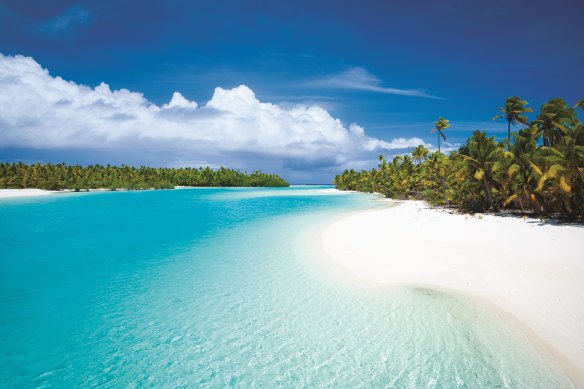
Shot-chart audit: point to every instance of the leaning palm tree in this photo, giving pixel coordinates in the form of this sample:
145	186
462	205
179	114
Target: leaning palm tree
553	120
439	126
420	153
514	113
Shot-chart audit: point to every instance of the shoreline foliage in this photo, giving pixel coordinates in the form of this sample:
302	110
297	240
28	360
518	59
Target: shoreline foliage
538	170
76	177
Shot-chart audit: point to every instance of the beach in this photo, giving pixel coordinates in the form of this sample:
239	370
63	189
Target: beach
531	270
33	192
10	193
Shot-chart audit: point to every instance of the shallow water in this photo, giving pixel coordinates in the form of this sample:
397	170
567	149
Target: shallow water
223	287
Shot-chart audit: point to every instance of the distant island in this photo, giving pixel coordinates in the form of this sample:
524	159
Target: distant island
539	169
61	176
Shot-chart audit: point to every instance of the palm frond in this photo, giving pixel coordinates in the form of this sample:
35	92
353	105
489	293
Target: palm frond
513	169
510	199
567	188
479	174
535	168
467	158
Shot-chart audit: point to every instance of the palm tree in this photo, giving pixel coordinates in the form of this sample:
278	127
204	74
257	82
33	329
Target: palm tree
553	119
439	167
567	160
439	126
407	164
420	153
525	169
381	159
518	173
513	113
480	155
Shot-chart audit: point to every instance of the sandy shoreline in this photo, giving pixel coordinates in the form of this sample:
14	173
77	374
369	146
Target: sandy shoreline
32	192
11	193
531	270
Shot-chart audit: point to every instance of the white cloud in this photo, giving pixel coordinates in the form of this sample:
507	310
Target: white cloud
360	79
398	143
179	101
446	147
40	111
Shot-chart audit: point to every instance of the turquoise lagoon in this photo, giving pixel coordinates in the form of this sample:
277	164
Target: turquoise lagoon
227	288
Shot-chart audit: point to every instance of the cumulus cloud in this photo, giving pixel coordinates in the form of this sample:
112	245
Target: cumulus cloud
358	78
178	100
41	111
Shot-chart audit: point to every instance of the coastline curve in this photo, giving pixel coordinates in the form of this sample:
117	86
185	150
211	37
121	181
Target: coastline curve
535	284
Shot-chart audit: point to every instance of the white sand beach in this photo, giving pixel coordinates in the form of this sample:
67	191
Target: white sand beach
32	192
531	270
9	193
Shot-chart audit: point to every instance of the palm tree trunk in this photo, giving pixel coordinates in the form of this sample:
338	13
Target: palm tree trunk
488	191
438	140
444	190
443	179
509	131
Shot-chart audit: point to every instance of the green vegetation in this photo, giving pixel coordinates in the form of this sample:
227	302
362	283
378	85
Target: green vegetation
513	113
439	127
538	169
61	176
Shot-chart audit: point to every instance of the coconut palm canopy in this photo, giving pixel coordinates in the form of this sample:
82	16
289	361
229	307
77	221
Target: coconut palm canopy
527	173
439	126
514	113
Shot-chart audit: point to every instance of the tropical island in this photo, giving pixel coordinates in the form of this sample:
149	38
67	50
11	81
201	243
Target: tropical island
444	257
61	176
529	268
538	169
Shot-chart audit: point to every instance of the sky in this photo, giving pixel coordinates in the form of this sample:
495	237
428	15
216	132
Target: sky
305	89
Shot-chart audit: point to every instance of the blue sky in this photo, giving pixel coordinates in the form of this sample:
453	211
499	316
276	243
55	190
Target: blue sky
390	67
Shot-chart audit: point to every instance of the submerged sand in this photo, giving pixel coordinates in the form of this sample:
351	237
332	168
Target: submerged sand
530	269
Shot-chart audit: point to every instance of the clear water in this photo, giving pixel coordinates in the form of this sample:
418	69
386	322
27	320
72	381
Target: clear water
223	288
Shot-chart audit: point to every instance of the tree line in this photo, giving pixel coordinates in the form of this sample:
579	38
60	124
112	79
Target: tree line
62	176
537	169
